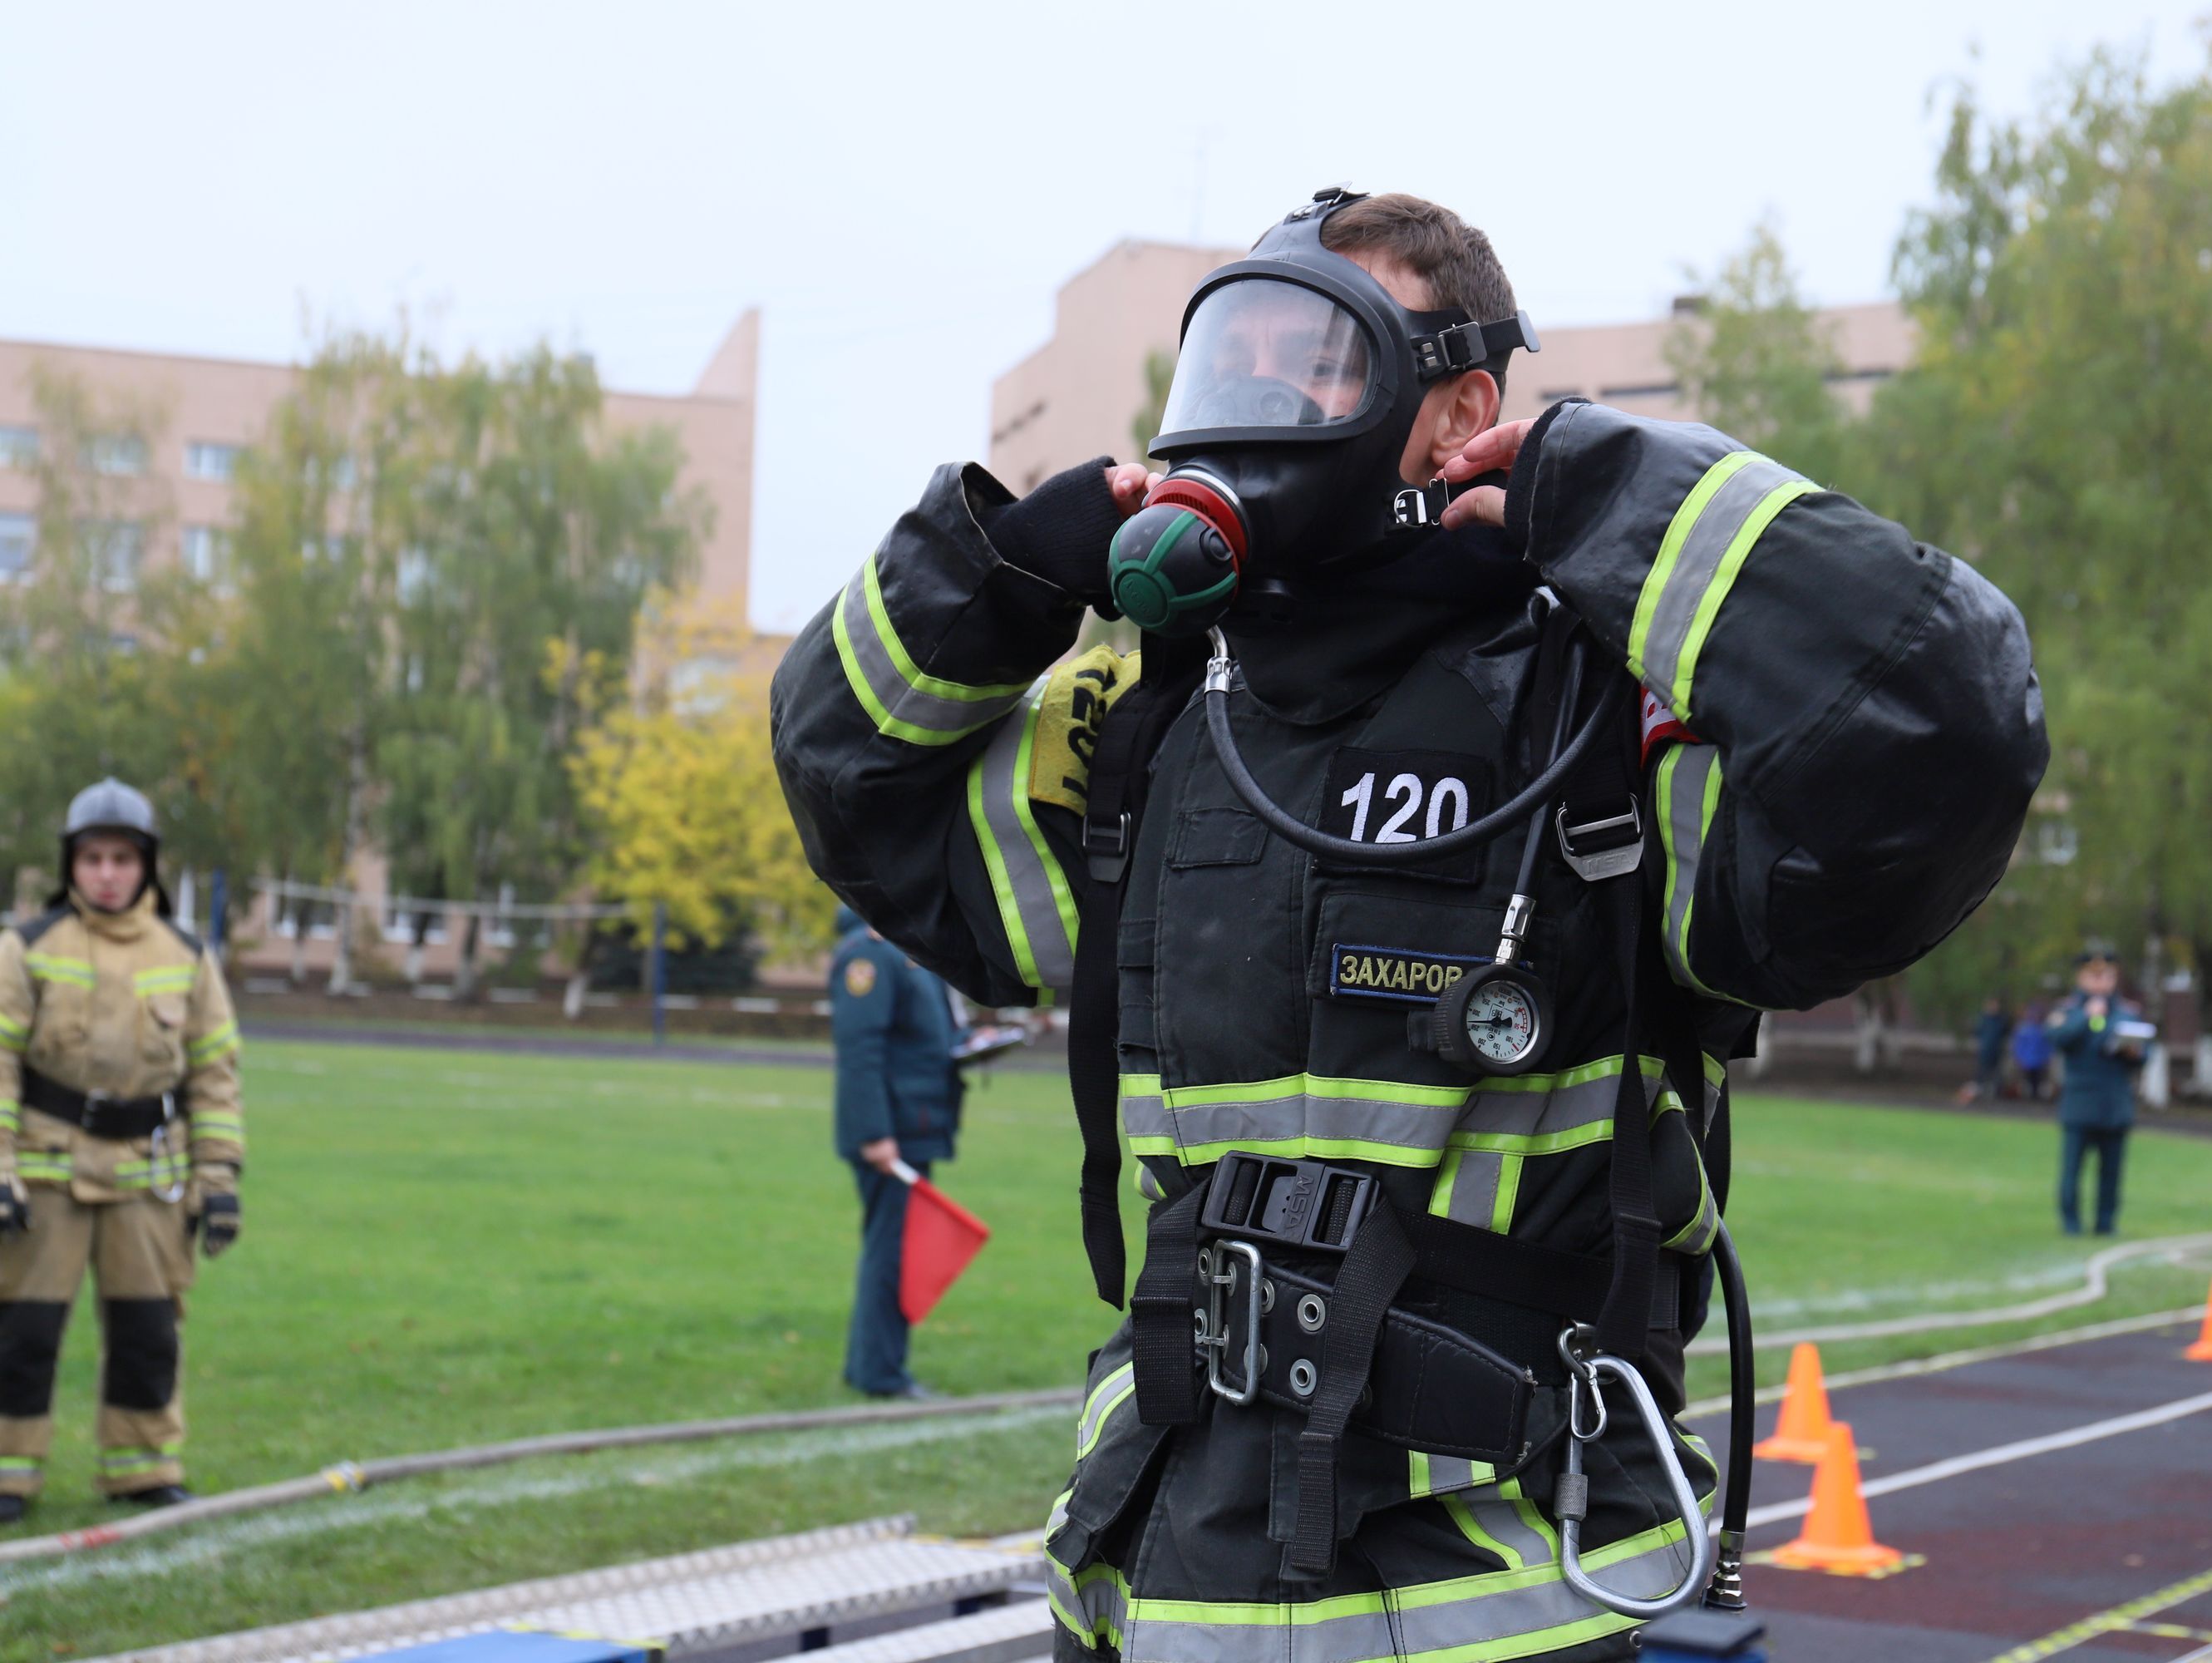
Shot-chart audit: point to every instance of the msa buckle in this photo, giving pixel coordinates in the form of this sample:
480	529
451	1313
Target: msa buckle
1106	848
1472	346
1611	846
1307	1206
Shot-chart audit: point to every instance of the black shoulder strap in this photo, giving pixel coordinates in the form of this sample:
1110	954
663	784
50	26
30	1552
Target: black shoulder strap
39	926
191	942
1120	775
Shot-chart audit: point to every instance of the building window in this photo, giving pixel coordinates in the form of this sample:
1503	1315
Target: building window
116	546
319	918
19	446
400	927
1647	390
205	459
120	453
19	537
206	554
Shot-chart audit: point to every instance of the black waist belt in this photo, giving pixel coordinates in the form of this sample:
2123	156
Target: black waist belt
98	1112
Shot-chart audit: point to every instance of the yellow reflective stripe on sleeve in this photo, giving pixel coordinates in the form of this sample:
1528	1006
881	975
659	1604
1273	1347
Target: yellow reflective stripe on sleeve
1704	549
14	1036
221	1043
46	967
11	1118
1688	785
904	703
1036	905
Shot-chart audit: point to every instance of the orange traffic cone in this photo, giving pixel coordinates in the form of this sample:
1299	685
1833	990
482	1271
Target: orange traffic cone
1839	1538
1802	1433
2202	1351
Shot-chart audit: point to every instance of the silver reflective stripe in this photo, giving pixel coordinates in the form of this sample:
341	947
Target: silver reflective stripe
1111	1393
1540	1114
923	710
1725	515
1036	905
1520	1611
1092	1605
1501	1523
1688	782
1474	1176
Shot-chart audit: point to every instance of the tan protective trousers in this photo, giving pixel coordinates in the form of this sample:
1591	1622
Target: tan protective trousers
141	1258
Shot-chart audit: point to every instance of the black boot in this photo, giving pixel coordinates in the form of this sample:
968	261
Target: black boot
13	1508
156	1495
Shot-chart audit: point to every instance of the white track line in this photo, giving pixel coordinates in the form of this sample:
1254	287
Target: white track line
2094	1288
2002	1455
1936	1365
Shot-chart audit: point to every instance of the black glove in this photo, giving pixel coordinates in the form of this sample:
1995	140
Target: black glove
217	1223
14	1207
1059	532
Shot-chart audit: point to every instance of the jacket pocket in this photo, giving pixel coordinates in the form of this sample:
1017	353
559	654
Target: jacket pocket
1115	1453
161	1033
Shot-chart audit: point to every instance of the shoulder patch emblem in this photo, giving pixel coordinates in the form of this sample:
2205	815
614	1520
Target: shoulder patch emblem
860	977
1076	698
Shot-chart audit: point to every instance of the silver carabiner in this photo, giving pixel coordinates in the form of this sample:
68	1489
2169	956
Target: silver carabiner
1574	1494
174	1192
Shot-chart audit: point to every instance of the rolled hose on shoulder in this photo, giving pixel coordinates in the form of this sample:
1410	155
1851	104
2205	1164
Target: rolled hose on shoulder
1514	810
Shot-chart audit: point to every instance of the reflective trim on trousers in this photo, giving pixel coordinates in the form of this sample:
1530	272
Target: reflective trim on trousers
1092	1603
1116	1389
1378	1120
904	703
1496	1614
1706	547
1035	906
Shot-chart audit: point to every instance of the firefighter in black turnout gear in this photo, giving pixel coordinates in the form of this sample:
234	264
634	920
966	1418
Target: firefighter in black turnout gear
1428	1099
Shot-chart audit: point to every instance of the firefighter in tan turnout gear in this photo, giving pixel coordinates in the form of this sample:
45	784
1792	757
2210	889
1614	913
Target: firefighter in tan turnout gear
121	1138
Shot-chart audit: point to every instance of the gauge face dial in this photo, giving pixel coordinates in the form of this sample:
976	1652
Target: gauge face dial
1503	1021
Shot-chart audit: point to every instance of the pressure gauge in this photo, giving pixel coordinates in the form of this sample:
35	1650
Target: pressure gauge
1496	1020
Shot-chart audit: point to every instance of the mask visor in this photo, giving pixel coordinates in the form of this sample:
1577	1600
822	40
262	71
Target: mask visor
1263	353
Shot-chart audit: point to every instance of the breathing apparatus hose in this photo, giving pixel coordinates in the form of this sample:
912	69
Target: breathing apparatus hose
1725	1593
1530	799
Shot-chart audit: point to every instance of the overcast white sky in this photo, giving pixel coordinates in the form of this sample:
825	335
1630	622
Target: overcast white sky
901	188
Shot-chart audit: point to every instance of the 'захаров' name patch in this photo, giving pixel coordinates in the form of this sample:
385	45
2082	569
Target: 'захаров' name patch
1390	973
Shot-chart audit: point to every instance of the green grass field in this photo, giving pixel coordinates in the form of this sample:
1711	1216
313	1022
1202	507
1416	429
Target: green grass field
445	1248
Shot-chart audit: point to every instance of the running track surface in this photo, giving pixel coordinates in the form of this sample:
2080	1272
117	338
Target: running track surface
2097	1553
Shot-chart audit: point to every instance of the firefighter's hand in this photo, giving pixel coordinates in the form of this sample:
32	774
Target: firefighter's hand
1129	481
883	1154
1493	450
218	1223
15	1205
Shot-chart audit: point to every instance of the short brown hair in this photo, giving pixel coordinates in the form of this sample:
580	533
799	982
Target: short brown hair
1451	256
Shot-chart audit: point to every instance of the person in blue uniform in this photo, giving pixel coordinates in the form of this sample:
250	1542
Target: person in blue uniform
2099	1035
898	1101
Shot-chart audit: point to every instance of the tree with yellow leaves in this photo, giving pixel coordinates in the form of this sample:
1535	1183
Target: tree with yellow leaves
681	801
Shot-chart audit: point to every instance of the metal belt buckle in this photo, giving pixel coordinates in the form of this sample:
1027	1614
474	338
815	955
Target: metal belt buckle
94	1101
1214	1320
1612	859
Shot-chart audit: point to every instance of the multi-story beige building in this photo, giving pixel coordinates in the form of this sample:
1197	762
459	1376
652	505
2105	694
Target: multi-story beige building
1079	395
166	493
198	414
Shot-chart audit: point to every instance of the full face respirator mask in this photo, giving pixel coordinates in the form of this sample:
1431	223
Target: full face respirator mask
1298	382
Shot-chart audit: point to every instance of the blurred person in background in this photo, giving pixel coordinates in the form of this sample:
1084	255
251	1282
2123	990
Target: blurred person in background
2031	1051
2102	1037
898	1102
121	1139
1992	1029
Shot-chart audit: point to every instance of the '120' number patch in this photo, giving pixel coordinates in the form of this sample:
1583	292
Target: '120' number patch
1402	796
